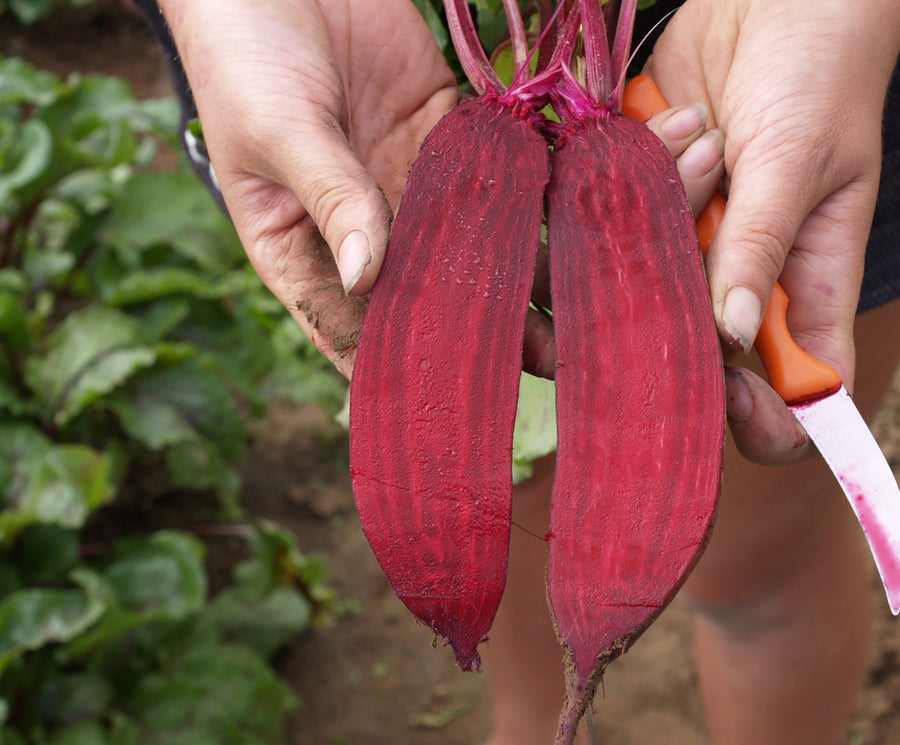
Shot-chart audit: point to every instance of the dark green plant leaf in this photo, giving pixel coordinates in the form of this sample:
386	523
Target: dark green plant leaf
29	11
160	577
22	83
33	618
188	397
152	284
148	213
11	737
263	621
26	158
14	332
432	17
300	372
74	697
47	553
88	732
91	353
55	484
186	705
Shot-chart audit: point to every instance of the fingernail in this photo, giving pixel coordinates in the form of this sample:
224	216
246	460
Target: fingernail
741	317
737	396
684	122
702	155
354	256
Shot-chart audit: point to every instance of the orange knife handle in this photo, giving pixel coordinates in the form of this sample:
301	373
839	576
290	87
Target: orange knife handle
795	375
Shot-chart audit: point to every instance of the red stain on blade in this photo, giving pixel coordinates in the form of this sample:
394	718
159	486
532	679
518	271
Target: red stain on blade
884	548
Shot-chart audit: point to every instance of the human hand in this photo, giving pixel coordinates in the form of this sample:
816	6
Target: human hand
312	113
798	90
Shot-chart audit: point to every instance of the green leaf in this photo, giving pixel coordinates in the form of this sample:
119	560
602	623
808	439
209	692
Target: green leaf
74	697
22	83
26	160
263	621
47	552
29	11
11	737
535	431
185	706
33	618
160	577
90	732
91	353
57	484
14	332
435	24
173	209
190	398
152	284
300	372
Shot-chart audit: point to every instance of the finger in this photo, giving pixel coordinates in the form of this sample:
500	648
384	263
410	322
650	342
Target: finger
539	352
770	196
343	199
699	153
701	168
312	291
275	112
679	127
763	427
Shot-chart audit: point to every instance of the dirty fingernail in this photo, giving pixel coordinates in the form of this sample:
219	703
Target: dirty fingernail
684	122
354	256
702	155
738	398
741	317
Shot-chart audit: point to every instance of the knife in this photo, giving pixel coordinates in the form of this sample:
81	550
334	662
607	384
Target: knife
813	391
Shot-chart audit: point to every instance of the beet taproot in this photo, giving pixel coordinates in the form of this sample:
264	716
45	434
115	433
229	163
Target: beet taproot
435	385
639	385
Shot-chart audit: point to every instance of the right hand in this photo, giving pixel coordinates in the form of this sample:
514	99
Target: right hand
798	89
313	112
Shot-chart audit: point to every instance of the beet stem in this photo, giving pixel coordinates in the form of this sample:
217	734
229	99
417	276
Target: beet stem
517	35
596	51
474	61
621	49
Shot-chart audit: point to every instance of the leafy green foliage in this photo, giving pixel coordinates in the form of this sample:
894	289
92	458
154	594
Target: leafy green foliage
135	339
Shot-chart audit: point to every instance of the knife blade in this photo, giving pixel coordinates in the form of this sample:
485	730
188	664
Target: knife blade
813	391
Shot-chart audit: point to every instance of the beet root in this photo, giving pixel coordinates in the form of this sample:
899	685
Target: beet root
434	389
640	394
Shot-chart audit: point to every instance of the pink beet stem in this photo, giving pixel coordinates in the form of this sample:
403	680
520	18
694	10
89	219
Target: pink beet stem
474	61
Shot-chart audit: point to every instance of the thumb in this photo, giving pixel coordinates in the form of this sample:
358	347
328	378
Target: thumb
342	199
767	203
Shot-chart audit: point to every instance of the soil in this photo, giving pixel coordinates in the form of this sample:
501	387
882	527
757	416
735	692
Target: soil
372	676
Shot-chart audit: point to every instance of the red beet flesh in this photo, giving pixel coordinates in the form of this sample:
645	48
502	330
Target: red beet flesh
640	395
435	384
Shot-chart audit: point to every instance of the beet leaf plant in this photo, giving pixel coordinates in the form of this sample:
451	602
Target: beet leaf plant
136	347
